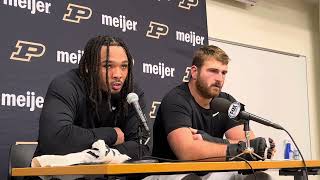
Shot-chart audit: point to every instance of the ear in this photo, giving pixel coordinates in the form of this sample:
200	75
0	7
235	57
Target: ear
194	72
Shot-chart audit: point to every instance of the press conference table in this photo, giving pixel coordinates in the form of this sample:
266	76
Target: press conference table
160	168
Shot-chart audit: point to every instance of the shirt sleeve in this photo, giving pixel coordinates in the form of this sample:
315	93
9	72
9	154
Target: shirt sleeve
57	132
175	112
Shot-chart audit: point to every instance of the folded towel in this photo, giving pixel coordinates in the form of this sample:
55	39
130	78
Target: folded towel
99	153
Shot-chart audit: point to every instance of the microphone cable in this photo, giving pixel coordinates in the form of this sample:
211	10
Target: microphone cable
201	160
304	162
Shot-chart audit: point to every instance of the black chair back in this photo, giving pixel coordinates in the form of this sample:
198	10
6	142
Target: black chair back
20	155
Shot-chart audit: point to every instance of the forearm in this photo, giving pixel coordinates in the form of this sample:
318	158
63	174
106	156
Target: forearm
204	151
71	138
234	140
237	134
207	137
185	147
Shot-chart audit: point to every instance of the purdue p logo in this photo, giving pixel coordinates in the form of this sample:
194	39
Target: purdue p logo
186	4
186	75
154	108
26	50
156	30
76	13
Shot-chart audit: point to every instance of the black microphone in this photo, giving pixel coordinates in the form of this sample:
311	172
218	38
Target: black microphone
234	110
132	98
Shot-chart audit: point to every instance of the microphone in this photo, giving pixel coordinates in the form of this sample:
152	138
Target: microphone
132	98
234	110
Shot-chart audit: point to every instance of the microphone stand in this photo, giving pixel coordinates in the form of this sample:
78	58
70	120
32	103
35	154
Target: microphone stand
248	149
144	137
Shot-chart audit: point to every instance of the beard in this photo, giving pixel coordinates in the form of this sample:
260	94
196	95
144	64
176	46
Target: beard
206	91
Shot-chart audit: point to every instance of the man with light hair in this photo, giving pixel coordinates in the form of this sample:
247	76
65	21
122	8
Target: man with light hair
189	128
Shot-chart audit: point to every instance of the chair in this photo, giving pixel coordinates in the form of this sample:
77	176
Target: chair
20	155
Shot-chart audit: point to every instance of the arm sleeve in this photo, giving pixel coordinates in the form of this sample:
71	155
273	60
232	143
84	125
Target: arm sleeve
131	146
208	137
58	133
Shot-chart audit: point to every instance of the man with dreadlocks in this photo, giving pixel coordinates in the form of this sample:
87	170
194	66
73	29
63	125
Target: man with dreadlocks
89	103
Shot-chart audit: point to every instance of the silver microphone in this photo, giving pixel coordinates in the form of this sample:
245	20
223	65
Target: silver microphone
132	98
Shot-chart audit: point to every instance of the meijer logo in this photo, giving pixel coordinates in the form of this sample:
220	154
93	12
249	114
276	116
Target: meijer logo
30	100
156	30
160	70
76	13
189	37
32	5
187	4
69	57
119	22
26	50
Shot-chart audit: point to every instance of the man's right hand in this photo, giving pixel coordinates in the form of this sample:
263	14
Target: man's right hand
120	136
264	147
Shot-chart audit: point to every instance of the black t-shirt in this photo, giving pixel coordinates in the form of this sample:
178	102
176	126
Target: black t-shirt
179	109
68	125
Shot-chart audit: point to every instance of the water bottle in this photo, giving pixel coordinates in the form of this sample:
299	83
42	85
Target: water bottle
288	153
296	155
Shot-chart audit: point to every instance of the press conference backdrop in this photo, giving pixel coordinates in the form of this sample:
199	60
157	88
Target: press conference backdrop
43	38
272	85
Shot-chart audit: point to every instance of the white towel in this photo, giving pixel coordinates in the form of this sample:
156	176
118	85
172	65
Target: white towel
99	153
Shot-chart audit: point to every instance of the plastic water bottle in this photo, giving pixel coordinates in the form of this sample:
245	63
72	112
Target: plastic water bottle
296	155
288	153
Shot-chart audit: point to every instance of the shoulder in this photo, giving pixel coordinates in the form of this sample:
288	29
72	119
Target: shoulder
70	77
180	90
66	82
227	96
179	95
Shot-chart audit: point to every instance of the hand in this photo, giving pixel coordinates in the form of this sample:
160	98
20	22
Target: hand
203	136
195	135
266	152
120	136
263	147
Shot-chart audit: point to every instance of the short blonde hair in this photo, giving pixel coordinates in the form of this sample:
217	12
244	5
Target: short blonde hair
213	51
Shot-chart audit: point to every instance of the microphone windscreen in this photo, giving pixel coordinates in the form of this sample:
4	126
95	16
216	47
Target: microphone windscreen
220	104
132	97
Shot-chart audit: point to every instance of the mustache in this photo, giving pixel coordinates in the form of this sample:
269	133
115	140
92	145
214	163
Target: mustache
116	81
217	84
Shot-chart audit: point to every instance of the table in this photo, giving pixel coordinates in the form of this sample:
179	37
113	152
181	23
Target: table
169	167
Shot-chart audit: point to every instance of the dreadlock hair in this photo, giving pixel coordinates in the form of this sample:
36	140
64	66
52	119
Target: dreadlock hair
89	68
209	51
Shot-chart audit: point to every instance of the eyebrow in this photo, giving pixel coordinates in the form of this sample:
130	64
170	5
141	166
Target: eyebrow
111	61
123	61
215	69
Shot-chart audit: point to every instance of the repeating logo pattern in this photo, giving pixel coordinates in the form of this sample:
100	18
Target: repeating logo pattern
45	38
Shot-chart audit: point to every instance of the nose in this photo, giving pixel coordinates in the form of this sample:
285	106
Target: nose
116	73
219	77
